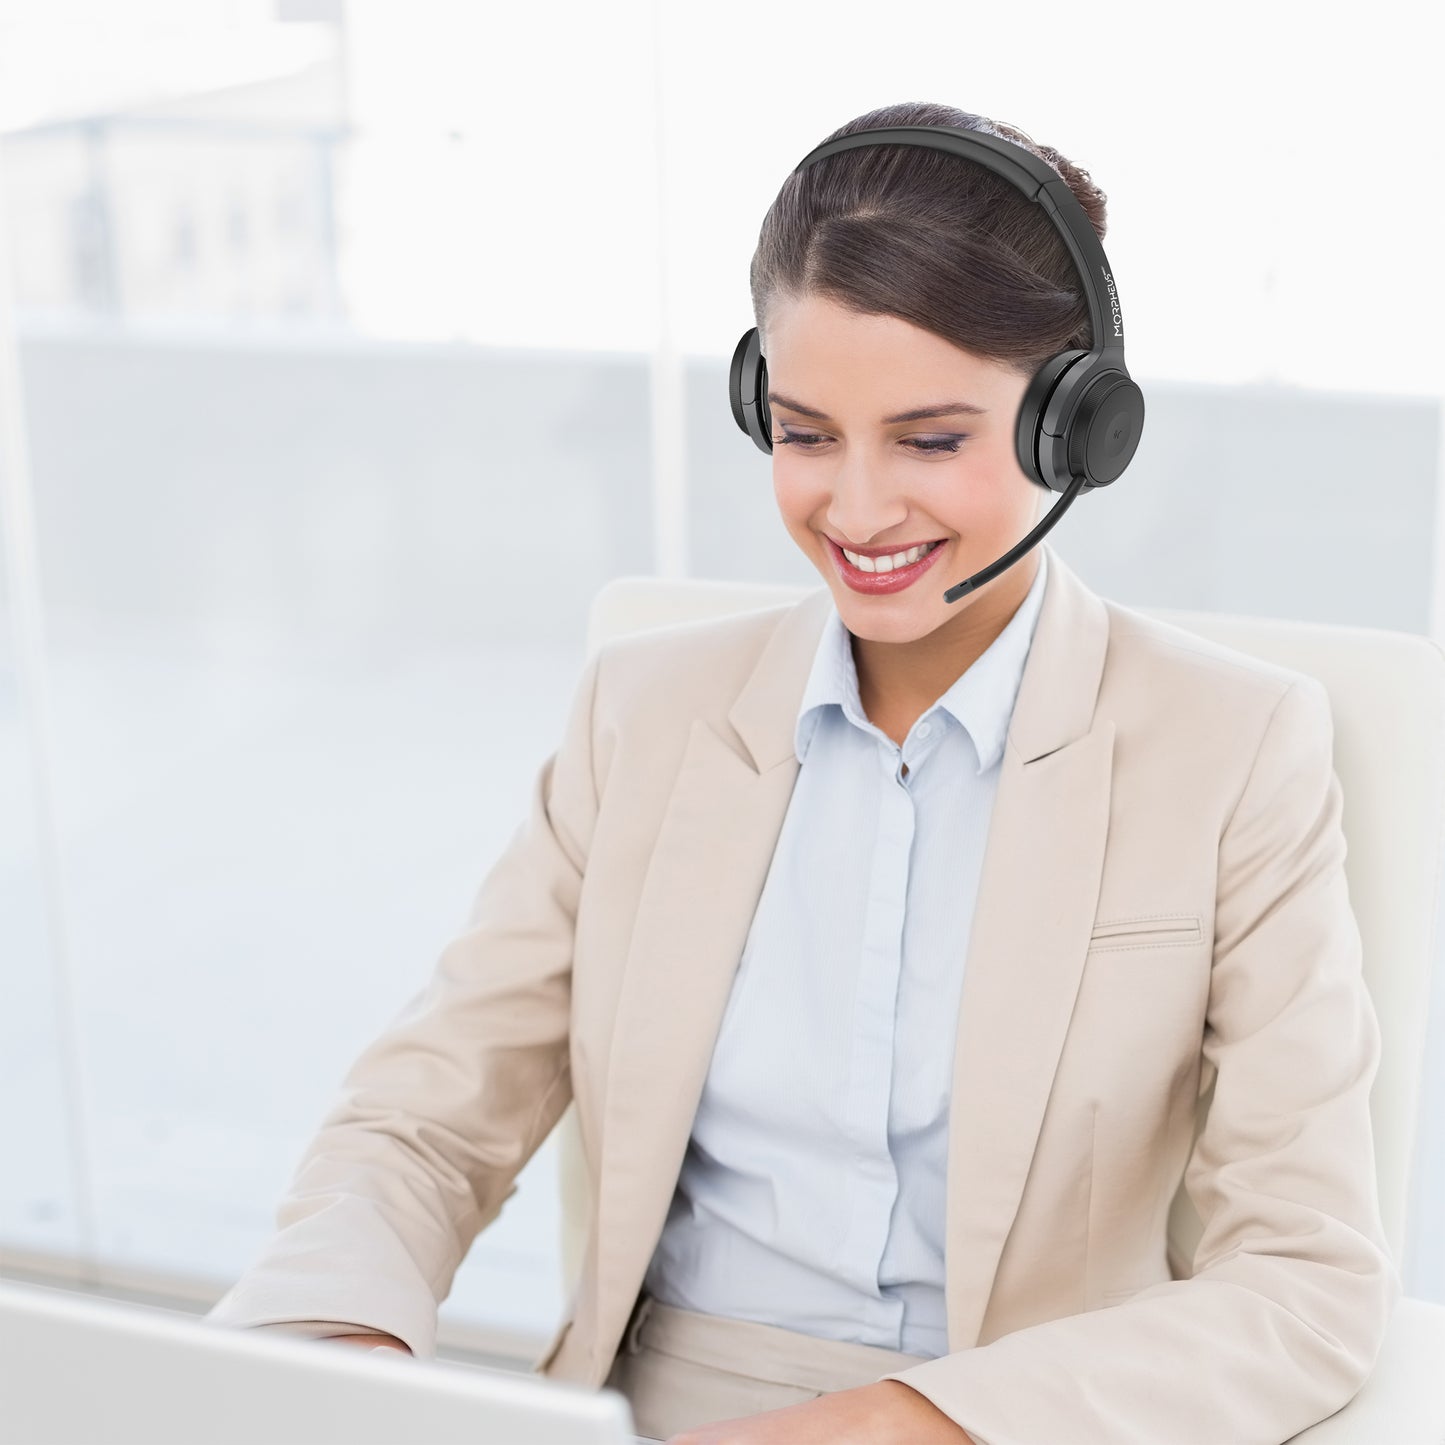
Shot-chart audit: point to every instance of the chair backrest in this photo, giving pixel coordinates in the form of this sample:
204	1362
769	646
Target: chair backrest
1387	696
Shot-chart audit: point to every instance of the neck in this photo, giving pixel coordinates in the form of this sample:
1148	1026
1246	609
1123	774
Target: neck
901	678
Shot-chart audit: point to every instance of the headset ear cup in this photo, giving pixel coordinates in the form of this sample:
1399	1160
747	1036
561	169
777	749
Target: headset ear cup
1105	416
1105	430
735	373
1084	418
748	390
1034	447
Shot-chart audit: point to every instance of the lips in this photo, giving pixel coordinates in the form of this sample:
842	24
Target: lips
875	584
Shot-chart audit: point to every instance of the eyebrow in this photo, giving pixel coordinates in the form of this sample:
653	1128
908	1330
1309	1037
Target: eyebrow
919	413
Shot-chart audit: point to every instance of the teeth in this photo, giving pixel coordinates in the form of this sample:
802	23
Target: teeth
889	564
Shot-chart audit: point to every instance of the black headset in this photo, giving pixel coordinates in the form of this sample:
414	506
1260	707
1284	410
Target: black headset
1079	422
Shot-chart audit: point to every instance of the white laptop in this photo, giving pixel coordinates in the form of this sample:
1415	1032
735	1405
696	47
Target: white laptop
79	1370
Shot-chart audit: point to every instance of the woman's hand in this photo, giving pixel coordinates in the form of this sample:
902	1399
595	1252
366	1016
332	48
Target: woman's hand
369	1342
887	1412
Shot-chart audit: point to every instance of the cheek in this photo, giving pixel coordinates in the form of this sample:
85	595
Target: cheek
998	489
796	496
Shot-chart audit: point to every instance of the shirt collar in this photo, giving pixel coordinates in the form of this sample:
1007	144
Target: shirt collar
981	700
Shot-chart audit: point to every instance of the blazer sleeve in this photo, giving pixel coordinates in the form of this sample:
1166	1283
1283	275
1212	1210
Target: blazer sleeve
1293	1282
438	1115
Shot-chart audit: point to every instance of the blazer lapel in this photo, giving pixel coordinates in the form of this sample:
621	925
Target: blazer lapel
1030	932
698	899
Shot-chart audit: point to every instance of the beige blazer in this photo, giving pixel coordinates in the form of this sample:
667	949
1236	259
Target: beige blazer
1163	943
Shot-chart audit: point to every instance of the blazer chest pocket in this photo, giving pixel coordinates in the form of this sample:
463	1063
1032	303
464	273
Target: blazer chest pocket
1149	930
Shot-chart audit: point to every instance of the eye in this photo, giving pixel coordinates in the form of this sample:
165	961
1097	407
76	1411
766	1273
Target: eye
809	441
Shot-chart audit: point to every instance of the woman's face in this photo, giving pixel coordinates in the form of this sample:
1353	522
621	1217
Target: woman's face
857	478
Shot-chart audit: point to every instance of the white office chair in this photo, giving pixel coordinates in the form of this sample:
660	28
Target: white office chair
1387	694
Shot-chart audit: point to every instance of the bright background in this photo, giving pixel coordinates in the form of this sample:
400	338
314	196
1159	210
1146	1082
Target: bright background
348	348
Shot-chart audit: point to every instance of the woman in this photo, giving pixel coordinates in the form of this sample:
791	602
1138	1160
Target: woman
902	956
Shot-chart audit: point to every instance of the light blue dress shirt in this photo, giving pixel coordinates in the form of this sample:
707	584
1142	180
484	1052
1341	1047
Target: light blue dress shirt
811	1194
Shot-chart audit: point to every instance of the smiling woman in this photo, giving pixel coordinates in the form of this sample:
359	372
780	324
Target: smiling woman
878	1144
914	1163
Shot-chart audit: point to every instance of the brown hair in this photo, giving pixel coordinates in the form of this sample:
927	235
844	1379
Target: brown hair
930	237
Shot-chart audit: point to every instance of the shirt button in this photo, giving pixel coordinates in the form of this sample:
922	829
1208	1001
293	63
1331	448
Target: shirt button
924	729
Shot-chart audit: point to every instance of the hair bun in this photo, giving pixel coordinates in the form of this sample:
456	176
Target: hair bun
1094	201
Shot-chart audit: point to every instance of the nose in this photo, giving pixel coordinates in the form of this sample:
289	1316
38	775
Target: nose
864	504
